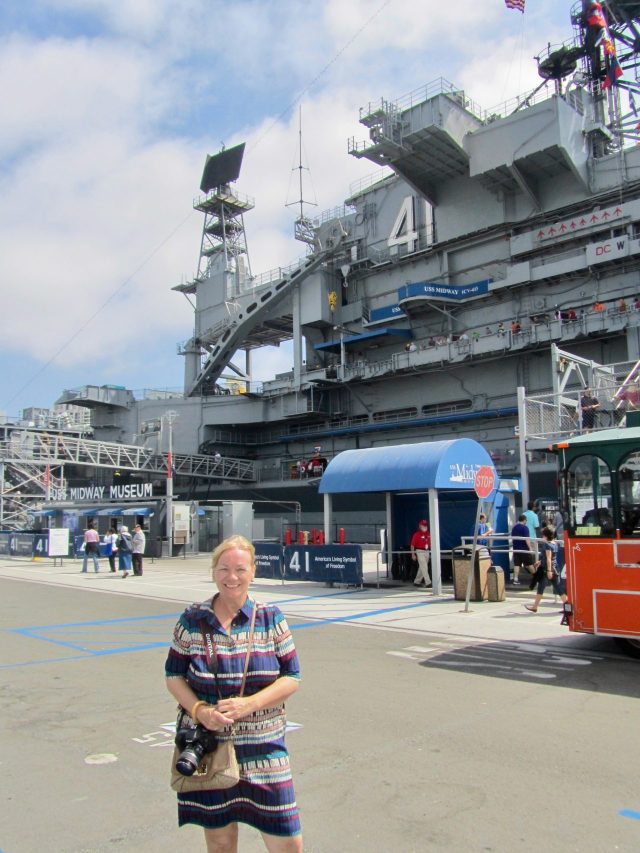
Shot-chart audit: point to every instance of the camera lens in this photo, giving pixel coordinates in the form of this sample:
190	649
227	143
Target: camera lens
188	761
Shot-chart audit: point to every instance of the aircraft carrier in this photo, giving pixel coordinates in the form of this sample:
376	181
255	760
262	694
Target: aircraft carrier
484	275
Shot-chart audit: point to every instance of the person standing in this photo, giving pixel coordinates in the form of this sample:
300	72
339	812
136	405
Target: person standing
548	572
588	406
91	544
125	548
421	552
138	542
207	695
521	545
484	532
111	541
558	525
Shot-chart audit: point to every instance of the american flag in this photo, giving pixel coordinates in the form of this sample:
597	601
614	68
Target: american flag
515	4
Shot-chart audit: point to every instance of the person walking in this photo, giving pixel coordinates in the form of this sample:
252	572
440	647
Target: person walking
110	540
91	540
421	553
203	671
548	571
125	548
521	546
533	523
138	543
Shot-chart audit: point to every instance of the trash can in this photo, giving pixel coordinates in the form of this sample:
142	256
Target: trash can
461	569
495	583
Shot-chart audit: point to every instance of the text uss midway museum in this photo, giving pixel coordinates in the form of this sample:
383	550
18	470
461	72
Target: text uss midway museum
132	491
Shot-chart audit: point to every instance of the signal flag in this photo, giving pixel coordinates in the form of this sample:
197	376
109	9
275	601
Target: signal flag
515	4
169	465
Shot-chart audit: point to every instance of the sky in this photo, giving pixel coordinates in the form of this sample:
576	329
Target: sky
109	109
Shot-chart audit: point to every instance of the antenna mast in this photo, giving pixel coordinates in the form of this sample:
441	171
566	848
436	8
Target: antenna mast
303	226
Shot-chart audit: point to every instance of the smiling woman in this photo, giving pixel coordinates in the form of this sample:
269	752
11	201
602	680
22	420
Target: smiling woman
208	688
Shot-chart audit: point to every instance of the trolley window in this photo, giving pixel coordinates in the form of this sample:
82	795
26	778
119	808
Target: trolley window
629	480
589	499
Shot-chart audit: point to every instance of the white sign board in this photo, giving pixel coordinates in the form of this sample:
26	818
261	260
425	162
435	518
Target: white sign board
58	542
598	253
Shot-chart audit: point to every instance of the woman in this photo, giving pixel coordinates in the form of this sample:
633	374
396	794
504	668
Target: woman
548	571
111	541
125	547
264	796
91	547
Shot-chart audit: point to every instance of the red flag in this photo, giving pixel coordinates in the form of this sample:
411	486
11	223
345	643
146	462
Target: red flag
47	477
515	4
169	465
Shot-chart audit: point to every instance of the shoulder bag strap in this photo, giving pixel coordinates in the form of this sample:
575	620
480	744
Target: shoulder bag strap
210	650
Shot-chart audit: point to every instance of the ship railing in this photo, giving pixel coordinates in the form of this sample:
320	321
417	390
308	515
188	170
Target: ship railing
357	187
229	194
556	416
439	86
276	274
339	212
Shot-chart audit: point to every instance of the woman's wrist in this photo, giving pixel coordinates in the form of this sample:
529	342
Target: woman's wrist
195	708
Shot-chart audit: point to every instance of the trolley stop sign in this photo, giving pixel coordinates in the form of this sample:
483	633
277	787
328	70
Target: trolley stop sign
484	482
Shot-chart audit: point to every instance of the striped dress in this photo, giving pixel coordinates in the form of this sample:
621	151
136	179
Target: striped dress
264	796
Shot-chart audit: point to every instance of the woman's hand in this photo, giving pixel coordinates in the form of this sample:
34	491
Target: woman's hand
212	718
237	707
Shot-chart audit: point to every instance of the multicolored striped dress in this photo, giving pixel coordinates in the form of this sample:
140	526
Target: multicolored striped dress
264	797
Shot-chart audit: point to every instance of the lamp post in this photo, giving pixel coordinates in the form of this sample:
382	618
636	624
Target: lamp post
170	417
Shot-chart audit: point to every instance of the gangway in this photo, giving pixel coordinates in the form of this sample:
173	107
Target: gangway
254	308
32	467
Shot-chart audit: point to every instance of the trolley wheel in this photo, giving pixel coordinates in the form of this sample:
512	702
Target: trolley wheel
630	646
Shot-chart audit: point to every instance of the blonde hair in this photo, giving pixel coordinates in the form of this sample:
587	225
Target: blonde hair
232	542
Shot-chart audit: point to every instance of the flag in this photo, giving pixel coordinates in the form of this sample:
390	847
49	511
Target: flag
515	4
632	105
47	477
169	465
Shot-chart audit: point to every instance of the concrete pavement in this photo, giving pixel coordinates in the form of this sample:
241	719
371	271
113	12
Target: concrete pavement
392	608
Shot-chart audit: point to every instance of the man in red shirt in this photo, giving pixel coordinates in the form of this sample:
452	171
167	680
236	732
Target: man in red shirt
420	551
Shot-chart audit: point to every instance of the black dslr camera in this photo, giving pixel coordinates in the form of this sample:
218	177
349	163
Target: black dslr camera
193	744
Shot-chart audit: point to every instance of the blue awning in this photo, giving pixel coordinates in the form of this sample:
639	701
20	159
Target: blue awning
109	510
406	467
355	340
145	511
45	513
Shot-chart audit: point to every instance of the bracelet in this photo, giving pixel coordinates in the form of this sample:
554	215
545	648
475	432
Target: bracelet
194	710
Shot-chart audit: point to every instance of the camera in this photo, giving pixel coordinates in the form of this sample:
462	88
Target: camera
193	744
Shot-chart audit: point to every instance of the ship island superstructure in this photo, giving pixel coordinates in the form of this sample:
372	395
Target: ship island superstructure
488	252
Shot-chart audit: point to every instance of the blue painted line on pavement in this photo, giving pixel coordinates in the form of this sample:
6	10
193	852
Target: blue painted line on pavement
352	617
91	653
629	813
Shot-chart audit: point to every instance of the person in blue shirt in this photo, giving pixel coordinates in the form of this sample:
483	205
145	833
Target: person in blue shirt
533	523
484	531
521	545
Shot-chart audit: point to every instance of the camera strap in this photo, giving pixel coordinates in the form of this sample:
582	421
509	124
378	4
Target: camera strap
212	656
